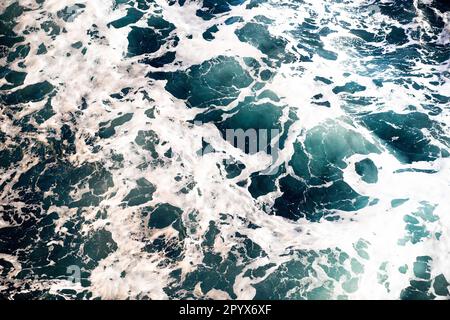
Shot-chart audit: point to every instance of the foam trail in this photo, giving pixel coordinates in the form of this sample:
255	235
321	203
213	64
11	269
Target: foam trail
117	180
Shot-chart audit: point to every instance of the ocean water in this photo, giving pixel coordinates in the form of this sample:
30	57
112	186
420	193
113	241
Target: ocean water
224	149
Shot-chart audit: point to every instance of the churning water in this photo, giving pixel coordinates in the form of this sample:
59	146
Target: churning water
265	149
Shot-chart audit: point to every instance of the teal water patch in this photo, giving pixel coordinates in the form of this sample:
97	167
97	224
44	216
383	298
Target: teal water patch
133	15
215	271
10	155
398	202
148	140
403	134
252	126
8	20
53	180
165	215
141	194
210	8
108	129
150	39
417	224
233	168
14	78
213	83
69	13
367	170
99	245
319	164
209	33
361	248
142	40
32	93
309	35
424	286
350	87
159	62
332	263
257	35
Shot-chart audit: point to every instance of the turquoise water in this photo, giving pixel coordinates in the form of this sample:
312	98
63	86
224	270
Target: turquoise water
224	149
